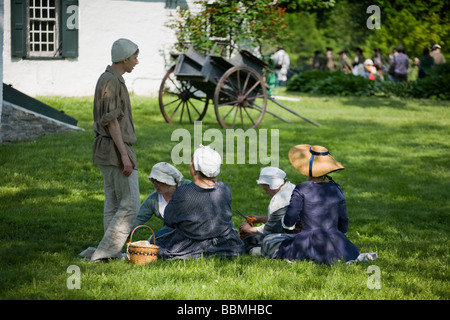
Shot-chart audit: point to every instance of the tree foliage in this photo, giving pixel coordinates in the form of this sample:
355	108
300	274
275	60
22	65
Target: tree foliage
413	24
306	5
243	23
304	26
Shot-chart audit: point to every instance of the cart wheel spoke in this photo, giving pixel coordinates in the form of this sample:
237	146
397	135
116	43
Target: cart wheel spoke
234	119
174	111
229	112
246	82
228	103
246	95
193	108
182	112
242	118
249	116
170	102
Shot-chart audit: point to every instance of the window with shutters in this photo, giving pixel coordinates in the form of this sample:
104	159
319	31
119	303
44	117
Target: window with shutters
44	29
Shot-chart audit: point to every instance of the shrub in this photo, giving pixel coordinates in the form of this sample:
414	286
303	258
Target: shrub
435	86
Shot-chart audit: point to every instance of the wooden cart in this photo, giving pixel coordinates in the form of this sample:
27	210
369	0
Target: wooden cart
236	86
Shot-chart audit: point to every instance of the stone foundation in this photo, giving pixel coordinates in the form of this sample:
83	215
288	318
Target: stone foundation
19	124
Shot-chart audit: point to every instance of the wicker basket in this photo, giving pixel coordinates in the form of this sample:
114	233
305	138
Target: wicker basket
142	252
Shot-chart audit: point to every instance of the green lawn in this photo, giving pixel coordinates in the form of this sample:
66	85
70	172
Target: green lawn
396	155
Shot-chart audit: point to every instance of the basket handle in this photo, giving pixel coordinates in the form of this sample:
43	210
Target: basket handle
143	225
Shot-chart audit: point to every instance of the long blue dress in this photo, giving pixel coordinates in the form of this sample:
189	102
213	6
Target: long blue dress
201	219
322	210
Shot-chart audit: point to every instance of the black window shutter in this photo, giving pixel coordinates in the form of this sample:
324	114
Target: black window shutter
19	28
69	28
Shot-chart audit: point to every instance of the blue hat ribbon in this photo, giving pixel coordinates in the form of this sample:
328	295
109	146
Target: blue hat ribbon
313	154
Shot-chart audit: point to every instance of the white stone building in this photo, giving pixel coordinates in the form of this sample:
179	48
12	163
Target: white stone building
60	68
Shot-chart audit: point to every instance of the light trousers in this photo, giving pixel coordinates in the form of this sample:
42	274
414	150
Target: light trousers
122	202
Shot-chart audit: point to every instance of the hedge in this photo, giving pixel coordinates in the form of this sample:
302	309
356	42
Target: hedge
435	86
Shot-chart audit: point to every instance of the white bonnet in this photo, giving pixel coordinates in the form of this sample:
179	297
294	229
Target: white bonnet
207	161
272	176
122	49
166	173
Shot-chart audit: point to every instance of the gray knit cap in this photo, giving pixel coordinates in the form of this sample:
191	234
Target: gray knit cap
122	49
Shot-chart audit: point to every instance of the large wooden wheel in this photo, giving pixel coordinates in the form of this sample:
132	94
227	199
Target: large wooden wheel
240	98
181	102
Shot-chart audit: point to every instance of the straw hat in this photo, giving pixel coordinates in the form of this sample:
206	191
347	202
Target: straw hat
313	161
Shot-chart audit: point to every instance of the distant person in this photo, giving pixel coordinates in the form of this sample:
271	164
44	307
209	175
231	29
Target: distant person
359	57
200	214
437	55
413	72
401	65
370	69
166	179
358	63
113	152
317	61
329	61
273	181
345	64
281	65
320	205
391	72
380	63
426	63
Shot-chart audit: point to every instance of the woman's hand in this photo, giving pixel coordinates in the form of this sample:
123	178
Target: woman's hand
245	227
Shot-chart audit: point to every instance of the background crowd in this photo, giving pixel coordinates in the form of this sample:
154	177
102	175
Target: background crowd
397	66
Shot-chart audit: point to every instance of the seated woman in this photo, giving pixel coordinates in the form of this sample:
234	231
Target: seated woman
166	179
273	181
320	205
200	214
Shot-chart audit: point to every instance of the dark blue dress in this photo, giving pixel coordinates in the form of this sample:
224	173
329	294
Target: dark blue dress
322	210
201	219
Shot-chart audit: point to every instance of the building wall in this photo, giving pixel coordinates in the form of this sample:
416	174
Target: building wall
2	7
101	22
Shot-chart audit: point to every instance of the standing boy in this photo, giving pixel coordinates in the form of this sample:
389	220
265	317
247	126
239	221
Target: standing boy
112	150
